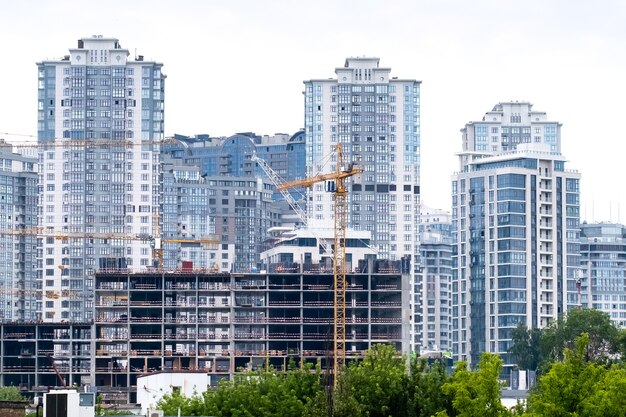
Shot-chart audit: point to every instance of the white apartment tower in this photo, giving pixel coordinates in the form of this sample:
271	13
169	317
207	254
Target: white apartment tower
515	222
100	112
376	119
432	299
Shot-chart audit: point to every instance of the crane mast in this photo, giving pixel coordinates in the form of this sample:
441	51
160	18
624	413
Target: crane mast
340	269
339	191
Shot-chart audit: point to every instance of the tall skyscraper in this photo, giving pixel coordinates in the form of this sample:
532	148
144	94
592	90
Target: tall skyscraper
99	114
376	119
515	217
18	252
603	269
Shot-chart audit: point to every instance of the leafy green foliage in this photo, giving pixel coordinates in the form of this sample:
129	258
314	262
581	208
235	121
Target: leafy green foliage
269	393
426	384
621	343
11	394
374	387
603	335
384	385
526	347
578	386
607	397
477	393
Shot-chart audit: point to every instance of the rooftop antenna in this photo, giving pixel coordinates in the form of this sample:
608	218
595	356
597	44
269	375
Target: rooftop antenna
593	211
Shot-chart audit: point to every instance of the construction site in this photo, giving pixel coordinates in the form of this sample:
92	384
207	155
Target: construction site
314	298
207	322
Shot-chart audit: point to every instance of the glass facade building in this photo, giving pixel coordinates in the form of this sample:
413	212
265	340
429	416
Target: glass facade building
516	231
236	211
602	282
232	155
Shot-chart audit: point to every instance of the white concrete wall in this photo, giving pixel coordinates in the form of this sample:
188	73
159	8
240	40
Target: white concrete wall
151	388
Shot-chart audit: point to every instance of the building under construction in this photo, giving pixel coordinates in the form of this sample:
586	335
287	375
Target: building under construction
226	323
38	356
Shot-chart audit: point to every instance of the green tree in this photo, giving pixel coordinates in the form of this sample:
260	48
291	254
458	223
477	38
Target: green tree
569	384
607	397
603	335
268	393
477	393
11	394
172	402
526	347
621	343
375	387
426	382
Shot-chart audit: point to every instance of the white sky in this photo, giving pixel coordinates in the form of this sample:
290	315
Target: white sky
239	65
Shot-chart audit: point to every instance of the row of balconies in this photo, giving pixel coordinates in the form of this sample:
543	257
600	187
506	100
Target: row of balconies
298	320
546	310
123	286
31	352
312	335
204	286
44	369
123	318
160	303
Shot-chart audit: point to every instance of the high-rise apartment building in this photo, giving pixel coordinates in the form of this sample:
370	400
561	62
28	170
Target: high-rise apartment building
516	230
375	117
100	112
233	206
433	286
18	252
232	155
603	269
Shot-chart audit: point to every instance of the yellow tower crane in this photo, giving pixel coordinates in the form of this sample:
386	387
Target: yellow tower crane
338	188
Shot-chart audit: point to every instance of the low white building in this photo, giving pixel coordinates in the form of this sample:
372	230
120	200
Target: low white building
307	247
151	388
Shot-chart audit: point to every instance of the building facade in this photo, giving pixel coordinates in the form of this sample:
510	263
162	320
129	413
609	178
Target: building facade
376	119
602	282
515	217
232	155
100	119
29	351
223	323
433	287
18	250
186	215
235	211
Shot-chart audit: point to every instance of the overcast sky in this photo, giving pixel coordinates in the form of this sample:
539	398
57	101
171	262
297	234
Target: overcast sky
237	66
